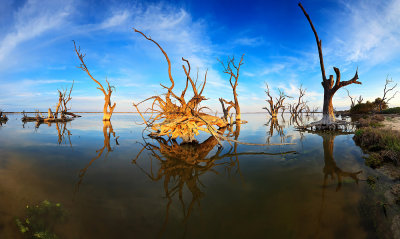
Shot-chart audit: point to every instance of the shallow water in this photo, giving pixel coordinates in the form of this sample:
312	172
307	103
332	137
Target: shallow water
127	186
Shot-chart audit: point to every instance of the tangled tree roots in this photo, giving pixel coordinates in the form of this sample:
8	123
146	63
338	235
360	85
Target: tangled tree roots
180	118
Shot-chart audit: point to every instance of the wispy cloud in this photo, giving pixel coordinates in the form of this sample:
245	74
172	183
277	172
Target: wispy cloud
117	19
249	41
370	31
32	20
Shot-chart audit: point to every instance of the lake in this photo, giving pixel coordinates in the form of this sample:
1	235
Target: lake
131	186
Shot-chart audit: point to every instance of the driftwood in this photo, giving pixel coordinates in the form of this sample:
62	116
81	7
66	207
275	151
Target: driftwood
330	87
108	108
183	119
61	113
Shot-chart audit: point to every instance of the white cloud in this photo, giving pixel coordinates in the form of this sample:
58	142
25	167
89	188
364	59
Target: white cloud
32	20
369	31
117	19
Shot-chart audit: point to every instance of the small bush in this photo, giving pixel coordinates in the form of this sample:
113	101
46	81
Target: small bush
368	107
383	145
395	110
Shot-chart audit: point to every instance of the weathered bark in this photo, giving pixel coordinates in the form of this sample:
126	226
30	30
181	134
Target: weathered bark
330	87
108	108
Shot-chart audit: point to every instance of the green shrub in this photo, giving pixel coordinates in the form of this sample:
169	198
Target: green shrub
395	110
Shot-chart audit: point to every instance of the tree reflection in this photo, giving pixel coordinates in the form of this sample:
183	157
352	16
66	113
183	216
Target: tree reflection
63	133
274	126
181	166
108	131
331	170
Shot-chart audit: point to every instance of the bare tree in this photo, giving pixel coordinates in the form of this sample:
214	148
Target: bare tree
300	105
330	87
180	118
108	109
385	99
360	100
274	107
353	100
233	80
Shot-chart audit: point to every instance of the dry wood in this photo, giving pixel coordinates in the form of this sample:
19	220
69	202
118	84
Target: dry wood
179	118
108	108
330	87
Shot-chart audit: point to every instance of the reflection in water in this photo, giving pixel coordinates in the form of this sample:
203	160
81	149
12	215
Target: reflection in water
183	164
107	133
331	170
274	125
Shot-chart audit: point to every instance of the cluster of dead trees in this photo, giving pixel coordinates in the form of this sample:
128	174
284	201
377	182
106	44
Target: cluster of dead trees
296	108
61	112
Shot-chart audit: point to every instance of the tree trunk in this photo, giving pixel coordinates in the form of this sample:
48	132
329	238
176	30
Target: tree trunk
328	116
237	107
107	113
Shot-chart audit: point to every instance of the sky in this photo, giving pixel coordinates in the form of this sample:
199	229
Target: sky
37	54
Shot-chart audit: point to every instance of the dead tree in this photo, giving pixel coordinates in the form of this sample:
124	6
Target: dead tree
233	80
360	100
330	87
385	99
353	100
298	107
62	108
274	107
108	108
180	118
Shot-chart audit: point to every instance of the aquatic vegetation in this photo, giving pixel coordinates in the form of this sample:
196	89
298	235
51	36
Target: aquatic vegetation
40	219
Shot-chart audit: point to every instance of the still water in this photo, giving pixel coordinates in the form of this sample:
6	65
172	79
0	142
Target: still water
129	186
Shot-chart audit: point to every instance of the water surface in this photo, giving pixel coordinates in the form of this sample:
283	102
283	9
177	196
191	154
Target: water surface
129	186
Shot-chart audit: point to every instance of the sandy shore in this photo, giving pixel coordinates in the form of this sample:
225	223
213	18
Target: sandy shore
392	122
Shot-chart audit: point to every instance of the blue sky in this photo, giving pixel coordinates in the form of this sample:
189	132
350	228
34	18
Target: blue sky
37	56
